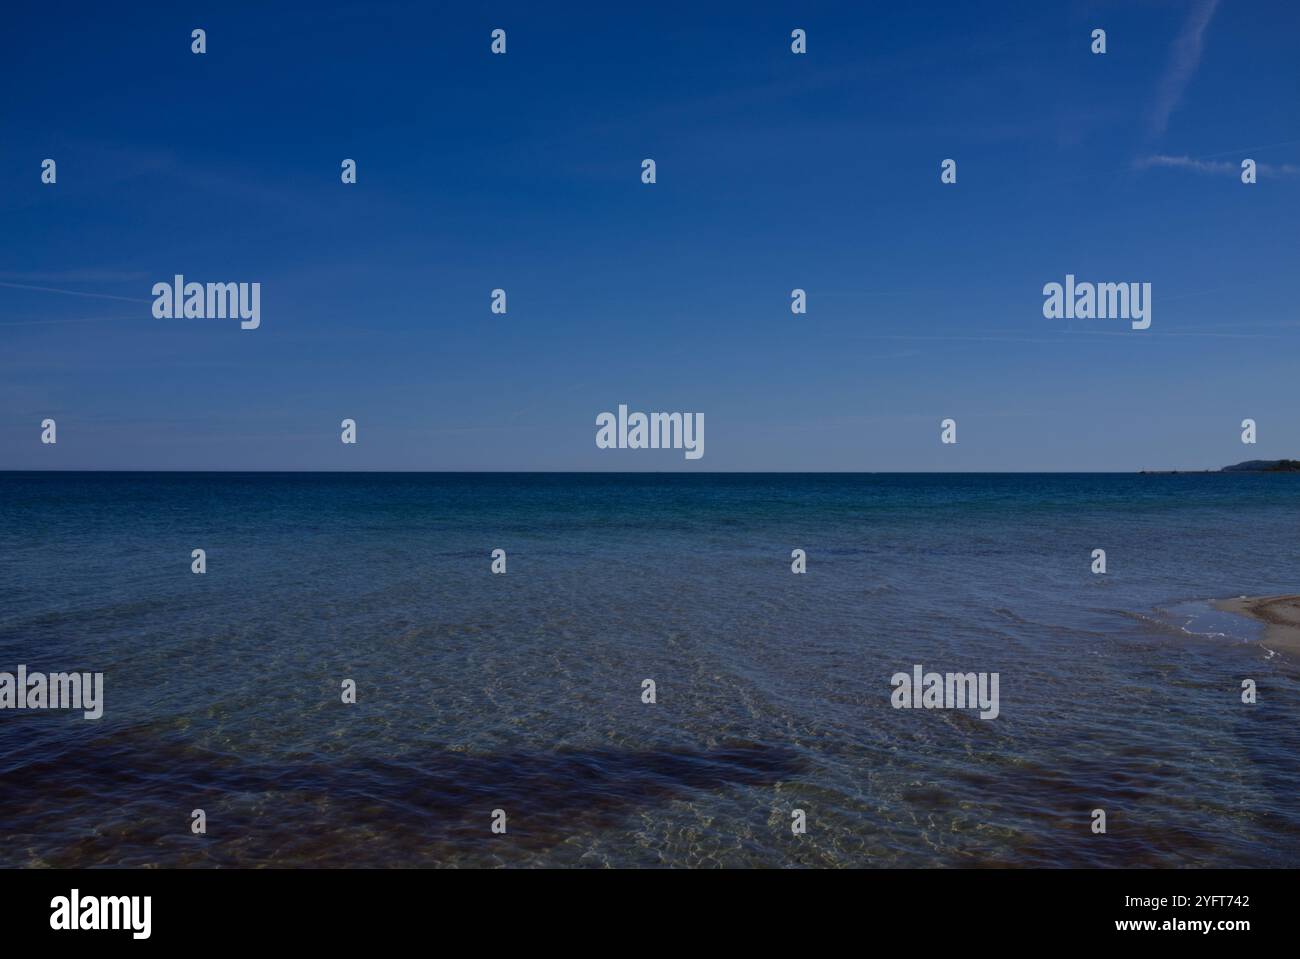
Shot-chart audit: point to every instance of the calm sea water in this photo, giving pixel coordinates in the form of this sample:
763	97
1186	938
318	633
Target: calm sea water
523	692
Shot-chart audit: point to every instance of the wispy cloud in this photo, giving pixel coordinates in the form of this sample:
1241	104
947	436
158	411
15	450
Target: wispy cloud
51	289
1184	58
75	276
1216	167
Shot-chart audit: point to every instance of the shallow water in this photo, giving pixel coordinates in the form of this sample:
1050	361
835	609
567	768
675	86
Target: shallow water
523	692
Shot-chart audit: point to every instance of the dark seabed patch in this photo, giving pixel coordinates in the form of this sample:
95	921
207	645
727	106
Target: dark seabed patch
297	812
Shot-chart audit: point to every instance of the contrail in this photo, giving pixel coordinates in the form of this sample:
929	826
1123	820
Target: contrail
98	296
1183	61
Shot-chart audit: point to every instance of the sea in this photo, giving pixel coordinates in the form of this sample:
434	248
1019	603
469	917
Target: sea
502	719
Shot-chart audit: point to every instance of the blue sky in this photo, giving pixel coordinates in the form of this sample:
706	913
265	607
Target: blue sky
775	171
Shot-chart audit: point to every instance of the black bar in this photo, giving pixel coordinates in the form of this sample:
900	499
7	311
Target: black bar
333	908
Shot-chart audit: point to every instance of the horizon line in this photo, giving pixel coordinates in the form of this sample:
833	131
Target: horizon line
589	472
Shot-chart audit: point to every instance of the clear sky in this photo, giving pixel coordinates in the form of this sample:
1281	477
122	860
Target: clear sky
775	171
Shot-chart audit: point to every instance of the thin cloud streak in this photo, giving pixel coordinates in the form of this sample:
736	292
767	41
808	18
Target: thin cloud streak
97	296
1184	58
1197	165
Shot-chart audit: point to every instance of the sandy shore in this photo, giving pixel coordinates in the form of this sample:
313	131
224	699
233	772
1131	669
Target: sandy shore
1280	614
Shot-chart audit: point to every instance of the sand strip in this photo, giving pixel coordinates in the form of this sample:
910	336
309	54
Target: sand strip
1279	614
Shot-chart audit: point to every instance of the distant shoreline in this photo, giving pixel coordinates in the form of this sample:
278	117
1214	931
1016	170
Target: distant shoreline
1249	466
1279	614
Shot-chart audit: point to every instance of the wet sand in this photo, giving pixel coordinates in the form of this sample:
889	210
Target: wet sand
1280	615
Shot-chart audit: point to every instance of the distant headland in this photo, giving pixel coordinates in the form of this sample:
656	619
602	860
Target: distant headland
1264	466
1249	466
